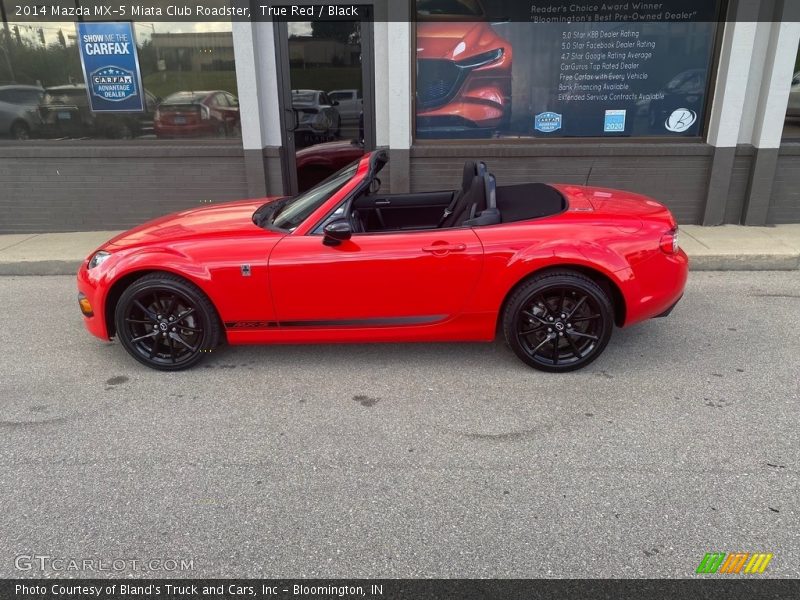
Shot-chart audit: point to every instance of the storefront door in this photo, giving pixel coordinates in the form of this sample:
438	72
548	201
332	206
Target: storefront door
327	106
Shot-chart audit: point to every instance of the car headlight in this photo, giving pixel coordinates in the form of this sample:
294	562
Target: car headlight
482	59
98	258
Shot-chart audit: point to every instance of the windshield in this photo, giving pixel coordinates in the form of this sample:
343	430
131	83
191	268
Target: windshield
298	209
185	98
308	97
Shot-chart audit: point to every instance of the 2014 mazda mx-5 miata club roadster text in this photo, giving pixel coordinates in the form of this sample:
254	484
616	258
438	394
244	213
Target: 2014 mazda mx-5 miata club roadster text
555	267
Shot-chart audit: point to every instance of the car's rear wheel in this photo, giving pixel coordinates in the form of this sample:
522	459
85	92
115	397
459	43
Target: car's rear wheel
558	321
166	322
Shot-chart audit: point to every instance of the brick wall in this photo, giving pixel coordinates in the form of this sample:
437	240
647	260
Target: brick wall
785	205
48	187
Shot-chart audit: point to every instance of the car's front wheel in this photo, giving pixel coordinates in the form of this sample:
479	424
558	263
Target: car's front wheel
20	131
558	321
166	322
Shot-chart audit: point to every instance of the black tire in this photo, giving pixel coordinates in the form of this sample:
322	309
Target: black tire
558	321
166	322
20	131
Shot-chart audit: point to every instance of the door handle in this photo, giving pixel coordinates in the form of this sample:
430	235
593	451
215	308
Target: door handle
444	248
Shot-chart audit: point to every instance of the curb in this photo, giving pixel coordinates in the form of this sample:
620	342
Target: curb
703	262
40	267
744	262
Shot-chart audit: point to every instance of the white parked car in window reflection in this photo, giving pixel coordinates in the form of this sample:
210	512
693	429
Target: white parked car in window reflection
19	110
350	104
317	116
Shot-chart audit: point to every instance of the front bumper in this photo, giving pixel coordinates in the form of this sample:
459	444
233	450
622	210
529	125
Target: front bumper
89	291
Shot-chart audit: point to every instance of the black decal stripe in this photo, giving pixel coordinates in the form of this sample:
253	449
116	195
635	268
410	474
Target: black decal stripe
250	324
371	322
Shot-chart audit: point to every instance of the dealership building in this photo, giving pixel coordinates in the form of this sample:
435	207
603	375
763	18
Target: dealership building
699	111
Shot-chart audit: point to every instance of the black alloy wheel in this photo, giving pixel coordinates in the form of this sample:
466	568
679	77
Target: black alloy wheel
166	322
558	321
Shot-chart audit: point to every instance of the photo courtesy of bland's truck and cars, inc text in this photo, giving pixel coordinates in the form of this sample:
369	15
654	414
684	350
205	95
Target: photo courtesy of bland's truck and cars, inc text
394	299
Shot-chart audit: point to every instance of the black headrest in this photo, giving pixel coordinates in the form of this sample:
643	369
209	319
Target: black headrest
469	173
491	190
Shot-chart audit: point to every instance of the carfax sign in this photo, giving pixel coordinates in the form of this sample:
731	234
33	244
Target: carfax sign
110	67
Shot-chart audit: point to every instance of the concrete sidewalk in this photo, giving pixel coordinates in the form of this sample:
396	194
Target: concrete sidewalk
725	248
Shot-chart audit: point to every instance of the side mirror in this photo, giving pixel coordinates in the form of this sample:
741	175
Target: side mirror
336	232
334	103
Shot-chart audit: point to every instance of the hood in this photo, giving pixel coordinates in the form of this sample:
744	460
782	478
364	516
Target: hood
230	218
441	39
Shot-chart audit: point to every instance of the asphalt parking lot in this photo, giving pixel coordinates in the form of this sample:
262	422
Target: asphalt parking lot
442	460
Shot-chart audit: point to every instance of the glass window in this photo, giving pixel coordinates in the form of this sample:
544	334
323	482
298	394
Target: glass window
500	75
181	67
299	208
791	126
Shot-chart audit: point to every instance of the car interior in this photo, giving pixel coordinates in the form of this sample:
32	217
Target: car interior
478	202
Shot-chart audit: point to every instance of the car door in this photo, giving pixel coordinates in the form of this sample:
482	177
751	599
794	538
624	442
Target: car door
374	279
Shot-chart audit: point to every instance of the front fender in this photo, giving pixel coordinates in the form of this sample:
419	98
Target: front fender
102	283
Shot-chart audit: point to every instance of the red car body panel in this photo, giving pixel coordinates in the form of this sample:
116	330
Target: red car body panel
483	98
391	286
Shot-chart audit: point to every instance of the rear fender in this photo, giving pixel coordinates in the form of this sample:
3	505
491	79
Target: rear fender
584	256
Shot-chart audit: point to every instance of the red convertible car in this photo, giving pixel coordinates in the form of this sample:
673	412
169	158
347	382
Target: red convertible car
554	266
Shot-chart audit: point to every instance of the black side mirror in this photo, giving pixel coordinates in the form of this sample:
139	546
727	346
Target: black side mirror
336	232
334	103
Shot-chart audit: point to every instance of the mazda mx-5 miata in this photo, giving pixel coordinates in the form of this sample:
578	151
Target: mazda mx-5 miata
555	267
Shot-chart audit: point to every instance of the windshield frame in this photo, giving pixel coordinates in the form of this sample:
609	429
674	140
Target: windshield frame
264	218
367	168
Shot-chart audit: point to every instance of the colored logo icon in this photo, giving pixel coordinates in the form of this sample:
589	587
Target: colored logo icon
680	120
615	121
732	564
547	122
114	84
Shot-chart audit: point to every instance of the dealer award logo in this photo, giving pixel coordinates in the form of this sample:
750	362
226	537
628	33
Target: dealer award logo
680	120
615	121
547	122
114	84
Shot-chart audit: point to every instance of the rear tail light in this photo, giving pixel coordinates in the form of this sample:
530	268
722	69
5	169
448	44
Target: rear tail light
669	242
